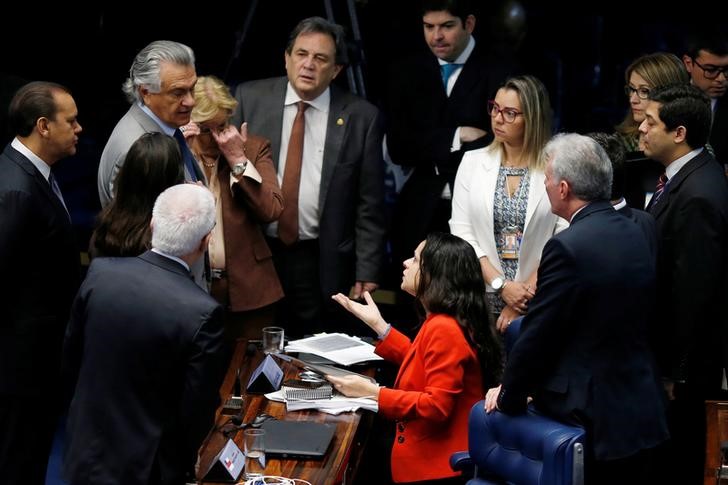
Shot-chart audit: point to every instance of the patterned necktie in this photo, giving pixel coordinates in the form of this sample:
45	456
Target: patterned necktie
57	190
661	184
446	71
187	158
288	222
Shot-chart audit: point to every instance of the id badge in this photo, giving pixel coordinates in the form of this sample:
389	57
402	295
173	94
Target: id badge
511	243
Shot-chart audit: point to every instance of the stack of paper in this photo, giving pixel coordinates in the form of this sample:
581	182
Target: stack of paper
338	347
336	405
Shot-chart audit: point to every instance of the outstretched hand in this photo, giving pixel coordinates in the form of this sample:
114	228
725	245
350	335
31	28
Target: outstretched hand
368	313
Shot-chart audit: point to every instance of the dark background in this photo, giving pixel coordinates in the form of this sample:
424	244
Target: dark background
580	53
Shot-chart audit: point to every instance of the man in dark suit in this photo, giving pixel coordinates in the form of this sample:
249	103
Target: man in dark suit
40	263
437	110
160	89
583	351
691	212
706	59
144	348
330	235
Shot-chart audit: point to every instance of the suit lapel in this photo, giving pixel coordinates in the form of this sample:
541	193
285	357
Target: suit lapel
674	184
273	122
40	181
337	126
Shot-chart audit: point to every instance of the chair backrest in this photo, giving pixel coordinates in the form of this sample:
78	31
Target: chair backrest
512	332
529	449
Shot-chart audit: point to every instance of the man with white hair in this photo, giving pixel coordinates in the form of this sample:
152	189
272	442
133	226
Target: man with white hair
144	349
583	353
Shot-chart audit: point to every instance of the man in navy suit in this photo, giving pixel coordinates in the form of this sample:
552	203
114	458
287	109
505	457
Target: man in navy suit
691	214
583	352
339	242
144	348
437	110
39	262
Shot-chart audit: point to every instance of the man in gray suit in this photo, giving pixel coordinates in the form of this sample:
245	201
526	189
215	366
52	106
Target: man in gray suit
160	90
335	235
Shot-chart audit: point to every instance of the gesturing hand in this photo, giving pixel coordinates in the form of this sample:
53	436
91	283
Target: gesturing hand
368	313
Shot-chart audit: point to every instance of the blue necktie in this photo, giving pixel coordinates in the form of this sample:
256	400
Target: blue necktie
187	158
57	190
446	70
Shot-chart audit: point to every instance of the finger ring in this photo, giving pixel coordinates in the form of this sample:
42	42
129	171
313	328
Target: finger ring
182	128
508	323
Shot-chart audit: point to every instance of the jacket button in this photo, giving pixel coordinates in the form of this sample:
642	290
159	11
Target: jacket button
400	427
400	439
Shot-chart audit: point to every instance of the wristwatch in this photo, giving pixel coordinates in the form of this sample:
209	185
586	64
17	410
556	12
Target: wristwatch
239	168
498	283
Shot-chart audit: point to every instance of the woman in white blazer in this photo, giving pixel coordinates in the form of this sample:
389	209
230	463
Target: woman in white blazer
500	204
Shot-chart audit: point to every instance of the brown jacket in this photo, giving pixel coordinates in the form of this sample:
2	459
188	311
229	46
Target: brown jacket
252	279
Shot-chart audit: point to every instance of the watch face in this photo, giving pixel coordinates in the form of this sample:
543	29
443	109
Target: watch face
238	169
497	283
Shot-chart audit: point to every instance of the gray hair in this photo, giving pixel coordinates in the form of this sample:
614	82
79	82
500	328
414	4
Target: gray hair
582	163
182	215
147	65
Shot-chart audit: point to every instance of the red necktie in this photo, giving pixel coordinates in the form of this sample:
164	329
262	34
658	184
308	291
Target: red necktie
288	222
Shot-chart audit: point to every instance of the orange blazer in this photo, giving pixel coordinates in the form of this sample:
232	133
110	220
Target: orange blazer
252	278
438	382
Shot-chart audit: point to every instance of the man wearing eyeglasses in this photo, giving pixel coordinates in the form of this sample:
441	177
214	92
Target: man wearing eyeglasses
706	60
437	108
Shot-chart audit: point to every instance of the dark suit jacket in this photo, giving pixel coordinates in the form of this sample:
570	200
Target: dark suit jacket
39	262
252	279
351	200
719	131
144	346
421	122
583	350
646	223
692	273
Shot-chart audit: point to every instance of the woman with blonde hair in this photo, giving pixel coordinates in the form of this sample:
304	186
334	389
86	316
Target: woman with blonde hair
239	171
500	204
644	74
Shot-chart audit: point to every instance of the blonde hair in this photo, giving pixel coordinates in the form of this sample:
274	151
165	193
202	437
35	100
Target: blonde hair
536	108
658	69
211	96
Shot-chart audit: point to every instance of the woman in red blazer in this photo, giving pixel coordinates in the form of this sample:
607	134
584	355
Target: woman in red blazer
443	371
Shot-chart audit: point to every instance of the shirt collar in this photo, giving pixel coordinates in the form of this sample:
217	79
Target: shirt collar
620	205
173	258
321	103
464	55
675	166
42	166
168	130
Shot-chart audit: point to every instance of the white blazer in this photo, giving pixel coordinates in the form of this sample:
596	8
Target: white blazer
472	211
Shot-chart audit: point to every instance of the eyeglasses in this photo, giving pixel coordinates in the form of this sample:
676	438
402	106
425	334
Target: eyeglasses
206	130
712	72
642	93
509	114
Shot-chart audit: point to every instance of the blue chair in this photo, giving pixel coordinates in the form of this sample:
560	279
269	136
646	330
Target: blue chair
529	449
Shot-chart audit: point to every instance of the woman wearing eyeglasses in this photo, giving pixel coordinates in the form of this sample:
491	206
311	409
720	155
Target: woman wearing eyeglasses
500	204
239	171
644	74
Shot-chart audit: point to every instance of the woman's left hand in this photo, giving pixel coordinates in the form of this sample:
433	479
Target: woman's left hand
355	386
517	295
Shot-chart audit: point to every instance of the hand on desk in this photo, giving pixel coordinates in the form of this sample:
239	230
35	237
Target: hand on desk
355	386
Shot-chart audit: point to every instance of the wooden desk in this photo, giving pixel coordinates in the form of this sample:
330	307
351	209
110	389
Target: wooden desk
716	415
339	464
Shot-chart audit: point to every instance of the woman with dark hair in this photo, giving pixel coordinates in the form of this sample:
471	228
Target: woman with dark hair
444	371
152	164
